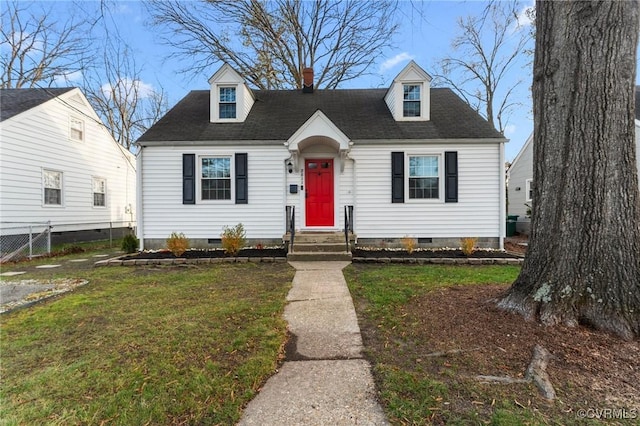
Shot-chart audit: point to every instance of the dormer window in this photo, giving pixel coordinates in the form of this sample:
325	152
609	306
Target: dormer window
230	99
411	100
227	103
409	97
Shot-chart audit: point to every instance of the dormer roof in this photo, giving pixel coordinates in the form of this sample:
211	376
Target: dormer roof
409	96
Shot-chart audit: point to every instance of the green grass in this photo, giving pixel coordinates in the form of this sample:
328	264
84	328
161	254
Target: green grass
185	345
384	288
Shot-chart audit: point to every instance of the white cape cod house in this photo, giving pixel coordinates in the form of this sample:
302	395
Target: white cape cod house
409	160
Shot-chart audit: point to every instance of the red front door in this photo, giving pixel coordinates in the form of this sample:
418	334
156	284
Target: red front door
319	192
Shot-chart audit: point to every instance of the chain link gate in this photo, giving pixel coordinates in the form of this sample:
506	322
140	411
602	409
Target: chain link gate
19	240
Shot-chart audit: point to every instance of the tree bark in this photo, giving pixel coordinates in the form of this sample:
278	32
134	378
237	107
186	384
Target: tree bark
583	261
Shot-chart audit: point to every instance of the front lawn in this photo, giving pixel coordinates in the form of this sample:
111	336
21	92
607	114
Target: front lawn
179	345
430	331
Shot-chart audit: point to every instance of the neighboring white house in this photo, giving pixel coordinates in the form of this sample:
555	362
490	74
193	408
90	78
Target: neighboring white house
59	164
520	176
409	160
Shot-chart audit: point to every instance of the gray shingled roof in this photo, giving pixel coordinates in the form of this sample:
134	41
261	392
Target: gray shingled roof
360	114
15	101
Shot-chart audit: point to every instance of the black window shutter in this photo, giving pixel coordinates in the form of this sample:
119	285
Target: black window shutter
451	177
188	178
397	177
242	187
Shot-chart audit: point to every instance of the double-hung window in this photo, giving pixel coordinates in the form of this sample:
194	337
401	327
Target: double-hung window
411	100
76	129
52	183
424	177
528	190
99	192
227	104
215	179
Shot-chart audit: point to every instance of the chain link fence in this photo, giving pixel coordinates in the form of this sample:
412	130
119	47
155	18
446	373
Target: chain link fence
20	240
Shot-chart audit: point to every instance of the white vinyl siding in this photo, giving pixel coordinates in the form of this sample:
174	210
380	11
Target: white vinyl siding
38	139
519	173
476	214
164	213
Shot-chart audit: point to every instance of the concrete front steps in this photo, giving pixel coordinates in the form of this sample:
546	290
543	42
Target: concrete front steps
318	246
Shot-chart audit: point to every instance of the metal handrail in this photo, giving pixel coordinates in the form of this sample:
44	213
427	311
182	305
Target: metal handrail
348	224
292	227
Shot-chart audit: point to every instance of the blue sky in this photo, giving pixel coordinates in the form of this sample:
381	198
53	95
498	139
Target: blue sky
428	28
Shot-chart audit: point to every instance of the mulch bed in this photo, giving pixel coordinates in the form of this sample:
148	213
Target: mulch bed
207	254
430	254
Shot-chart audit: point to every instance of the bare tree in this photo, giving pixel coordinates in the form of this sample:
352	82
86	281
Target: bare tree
38	49
484	56
583	261
126	104
269	42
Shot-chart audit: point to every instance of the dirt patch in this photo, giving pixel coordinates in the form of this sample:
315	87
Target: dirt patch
517	244
453	335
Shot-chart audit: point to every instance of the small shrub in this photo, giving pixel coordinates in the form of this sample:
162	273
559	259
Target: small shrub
177	244
409	244
130	243
233	239
468	245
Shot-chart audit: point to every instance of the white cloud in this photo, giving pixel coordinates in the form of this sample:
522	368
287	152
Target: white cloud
510	129
392	62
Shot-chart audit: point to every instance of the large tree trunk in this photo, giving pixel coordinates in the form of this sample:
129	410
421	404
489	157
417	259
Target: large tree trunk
583	261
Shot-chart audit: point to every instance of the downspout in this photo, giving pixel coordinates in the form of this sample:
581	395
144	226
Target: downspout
139	203
503	197
355	200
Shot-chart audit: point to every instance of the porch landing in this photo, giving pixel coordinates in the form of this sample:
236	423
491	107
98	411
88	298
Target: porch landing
309	246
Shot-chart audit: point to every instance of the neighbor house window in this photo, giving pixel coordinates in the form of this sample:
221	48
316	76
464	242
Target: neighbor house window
216	178
77	129
528	187
52	182
411	100
227	103
99	192
424	178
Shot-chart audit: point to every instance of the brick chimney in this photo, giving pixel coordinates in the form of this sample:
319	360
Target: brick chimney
307	80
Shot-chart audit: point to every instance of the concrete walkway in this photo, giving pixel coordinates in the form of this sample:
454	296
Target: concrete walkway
324	380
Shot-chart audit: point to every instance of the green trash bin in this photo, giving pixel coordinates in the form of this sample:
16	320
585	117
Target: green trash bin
511	225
